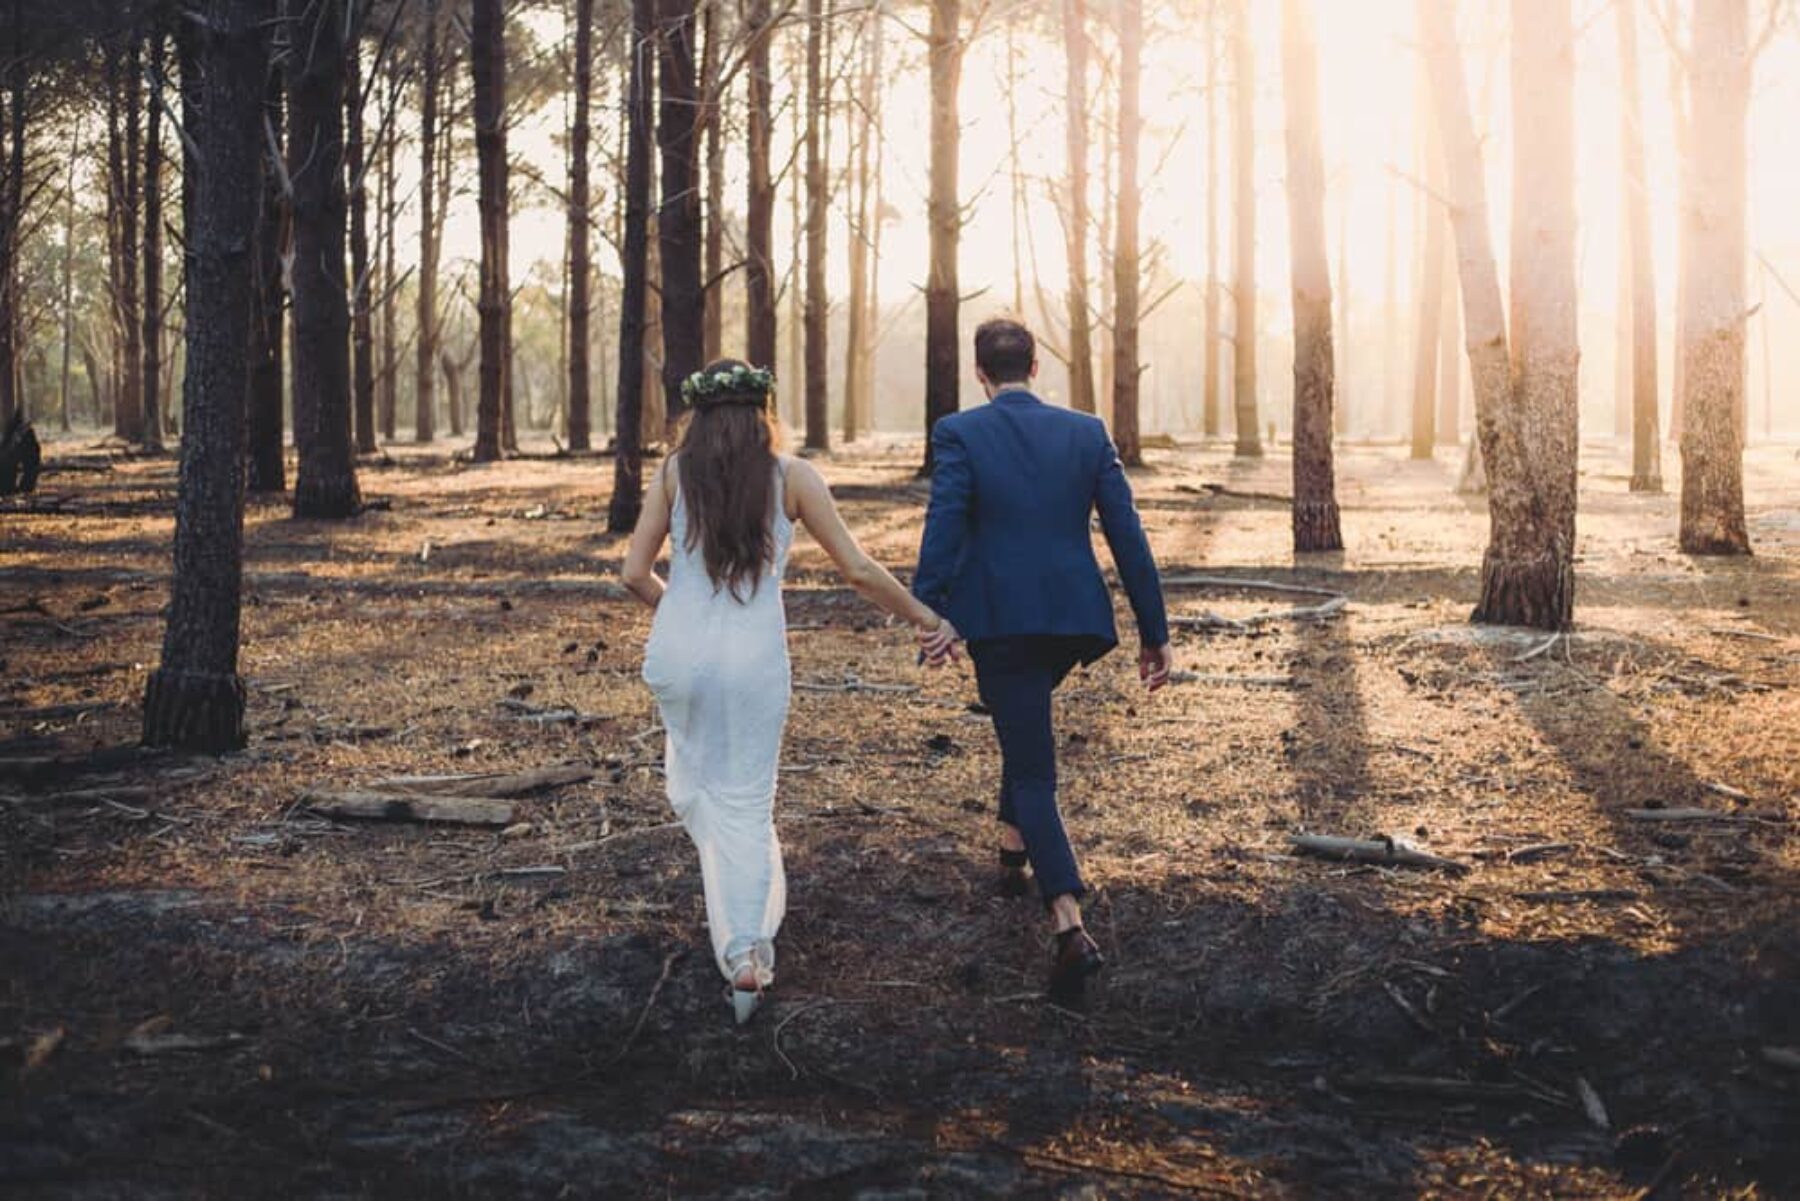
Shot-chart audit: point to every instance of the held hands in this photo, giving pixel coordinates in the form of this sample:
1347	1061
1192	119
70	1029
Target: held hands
937	643
1154	665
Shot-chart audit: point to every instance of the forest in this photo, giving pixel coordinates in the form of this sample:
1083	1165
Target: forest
1442	342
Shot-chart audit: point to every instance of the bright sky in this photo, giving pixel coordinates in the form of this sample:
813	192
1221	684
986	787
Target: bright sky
1369	80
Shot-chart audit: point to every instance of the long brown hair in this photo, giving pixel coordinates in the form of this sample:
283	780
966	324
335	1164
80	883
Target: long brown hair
727	468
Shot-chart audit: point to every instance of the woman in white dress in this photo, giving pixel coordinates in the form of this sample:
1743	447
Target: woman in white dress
717	657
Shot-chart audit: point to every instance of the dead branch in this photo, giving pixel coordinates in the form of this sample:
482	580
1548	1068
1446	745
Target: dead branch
1384	851
403	807
488	785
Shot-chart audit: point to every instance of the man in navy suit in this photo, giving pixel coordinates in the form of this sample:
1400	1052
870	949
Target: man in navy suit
1008	558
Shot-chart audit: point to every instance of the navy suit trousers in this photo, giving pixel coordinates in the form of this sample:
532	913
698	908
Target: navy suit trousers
1016	676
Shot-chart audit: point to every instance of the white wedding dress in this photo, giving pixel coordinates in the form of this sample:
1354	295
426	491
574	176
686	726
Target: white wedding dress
719	669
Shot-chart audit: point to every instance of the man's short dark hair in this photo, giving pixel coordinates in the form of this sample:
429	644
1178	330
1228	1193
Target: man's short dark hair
1004	350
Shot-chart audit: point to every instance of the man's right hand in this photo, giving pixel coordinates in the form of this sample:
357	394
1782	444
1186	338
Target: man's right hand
1154	665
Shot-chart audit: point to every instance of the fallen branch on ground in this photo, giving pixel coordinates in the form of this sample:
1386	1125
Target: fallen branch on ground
1699	815
1383	851
1195	677
1225	581
492	784
392	806
853	683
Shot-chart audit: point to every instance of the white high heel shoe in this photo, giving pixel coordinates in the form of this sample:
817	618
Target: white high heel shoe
747	998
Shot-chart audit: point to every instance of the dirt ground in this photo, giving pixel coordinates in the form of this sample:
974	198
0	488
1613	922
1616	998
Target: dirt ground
208	990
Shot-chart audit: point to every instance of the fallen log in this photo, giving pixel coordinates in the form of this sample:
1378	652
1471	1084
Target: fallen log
405	807
1384	851
492	784
1697	815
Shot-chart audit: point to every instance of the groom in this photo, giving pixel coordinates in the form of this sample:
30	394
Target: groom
1008	558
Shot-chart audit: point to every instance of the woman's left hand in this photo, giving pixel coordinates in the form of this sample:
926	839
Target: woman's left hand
938	644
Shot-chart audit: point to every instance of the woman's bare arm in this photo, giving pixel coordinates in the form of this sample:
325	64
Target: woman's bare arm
819	513
647	540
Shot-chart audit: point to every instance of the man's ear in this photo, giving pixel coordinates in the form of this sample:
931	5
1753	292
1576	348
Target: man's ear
1034	367
981	376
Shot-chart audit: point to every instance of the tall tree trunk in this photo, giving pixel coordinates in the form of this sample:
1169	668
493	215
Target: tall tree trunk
1512	504
487	58
1379	420
759	205
153	243
581	270
425	344
125	205
325	482
388	395
1209	404
268	298
1431	288
872	324
942	349
68	280
678	232
12	73
818	416
713	119
628	462
856	336
795	288
1126	372
1315	489
1714	313
362	330
195	699
1075	227
1340	403
1449	386
1243	212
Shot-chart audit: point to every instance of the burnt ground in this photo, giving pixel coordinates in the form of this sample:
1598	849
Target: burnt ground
207	990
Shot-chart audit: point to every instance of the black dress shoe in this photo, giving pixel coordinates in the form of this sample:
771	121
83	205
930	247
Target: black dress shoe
1013	880
1077	957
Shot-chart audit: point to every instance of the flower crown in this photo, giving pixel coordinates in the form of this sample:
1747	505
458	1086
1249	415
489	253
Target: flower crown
735	385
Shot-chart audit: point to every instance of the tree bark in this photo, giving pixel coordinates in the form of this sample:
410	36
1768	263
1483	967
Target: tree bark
581	270
125	203
1126	259
268	299
195	698
628	462
1431	291
1243	179
759	208
678	232
1341	373
153	243
425	344
1075	229
387	395
1714	312
362	329
1448	426
1315	514
487	59
1209	403
325	481
68	282
818	416
713	121
943	357
856	335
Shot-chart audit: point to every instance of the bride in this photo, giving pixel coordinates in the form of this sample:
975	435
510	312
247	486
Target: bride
717	658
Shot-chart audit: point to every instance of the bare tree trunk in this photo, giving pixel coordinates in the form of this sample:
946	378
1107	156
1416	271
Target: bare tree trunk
425	344
1646	436
872	325
267	463
1243	179
362	329
1527	579
1448	427
487	57
1316	526
68	281
195	699
1714	313
856	336
1127	374
1340	403
1081	348
387	395
325	482
678	231
713	121
1209	403
1431	293
942	349
581	270
153	240
1378	420
126	206
818	416
759	209
628	462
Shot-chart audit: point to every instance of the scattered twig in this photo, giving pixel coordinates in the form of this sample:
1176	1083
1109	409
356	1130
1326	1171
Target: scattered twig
487	785
1384	851
1229	582
1591	1104
853	683
668	966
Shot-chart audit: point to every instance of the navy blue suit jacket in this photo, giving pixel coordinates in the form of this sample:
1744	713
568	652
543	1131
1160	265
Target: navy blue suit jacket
1007	548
